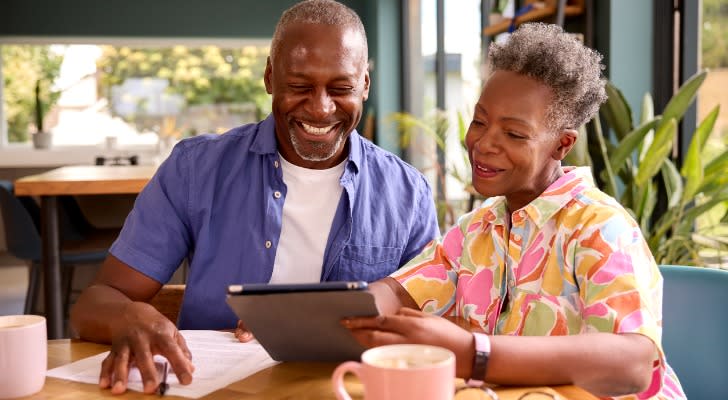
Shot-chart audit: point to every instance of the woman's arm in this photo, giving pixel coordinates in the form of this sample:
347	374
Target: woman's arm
605	364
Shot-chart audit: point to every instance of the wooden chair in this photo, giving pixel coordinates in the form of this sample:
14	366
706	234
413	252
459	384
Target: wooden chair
168	301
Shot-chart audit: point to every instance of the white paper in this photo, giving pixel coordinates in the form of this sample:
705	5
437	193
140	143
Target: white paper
219	359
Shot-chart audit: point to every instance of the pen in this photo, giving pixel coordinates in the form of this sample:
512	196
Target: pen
163	386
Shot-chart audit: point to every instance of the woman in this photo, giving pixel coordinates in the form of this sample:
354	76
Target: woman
554	271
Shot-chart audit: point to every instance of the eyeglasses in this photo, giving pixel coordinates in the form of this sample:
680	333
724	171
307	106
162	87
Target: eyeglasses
486	393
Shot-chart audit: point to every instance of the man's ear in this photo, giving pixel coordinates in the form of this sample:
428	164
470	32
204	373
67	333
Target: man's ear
566	140
365	95
267	76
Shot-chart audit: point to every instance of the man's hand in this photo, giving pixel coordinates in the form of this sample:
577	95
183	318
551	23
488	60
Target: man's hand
140	333
414	326
242	333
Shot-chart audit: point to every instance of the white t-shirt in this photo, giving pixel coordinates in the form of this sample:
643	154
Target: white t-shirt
311	201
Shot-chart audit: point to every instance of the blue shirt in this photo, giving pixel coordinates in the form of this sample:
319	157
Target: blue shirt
218	200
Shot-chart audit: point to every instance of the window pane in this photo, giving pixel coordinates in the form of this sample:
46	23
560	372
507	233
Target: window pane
90	92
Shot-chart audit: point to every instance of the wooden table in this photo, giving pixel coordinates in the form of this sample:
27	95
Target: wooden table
74	180
283	381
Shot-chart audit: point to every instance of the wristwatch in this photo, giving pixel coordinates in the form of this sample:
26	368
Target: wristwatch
480	361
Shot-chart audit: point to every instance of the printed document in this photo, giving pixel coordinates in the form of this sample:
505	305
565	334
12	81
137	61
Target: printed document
219	359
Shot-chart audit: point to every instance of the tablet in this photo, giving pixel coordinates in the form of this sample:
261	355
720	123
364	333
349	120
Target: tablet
301	322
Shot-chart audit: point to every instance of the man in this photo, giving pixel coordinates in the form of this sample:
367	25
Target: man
298	197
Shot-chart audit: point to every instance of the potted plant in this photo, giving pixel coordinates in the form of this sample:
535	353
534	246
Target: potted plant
637	168
41	138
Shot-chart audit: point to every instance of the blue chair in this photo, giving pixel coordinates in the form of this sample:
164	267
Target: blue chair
695	328
21	218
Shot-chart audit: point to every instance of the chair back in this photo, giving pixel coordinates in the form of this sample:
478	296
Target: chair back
695	328
168	301
20	219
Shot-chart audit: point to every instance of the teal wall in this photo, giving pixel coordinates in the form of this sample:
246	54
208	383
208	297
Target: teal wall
213	19
624	37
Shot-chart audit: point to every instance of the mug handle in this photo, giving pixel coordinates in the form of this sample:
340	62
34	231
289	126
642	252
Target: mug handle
337	378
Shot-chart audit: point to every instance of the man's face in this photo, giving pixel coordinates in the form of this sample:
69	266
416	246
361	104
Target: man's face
319	81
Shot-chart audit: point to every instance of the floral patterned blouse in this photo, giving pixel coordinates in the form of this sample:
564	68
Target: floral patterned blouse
571	261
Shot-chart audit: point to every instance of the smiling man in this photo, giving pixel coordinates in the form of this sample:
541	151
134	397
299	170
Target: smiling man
297	197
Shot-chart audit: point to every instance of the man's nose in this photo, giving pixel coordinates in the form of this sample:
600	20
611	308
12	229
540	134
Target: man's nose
322	105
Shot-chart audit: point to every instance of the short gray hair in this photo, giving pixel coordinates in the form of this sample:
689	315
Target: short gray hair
325	12
557	59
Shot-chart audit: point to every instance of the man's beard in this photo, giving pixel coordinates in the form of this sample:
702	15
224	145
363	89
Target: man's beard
316	151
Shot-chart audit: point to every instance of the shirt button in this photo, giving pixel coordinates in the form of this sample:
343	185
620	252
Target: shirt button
275	163
268	244
522	214
277	194
517	237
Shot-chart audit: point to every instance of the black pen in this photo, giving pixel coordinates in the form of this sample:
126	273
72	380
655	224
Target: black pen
163	386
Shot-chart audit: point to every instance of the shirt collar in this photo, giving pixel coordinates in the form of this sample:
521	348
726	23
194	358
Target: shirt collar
265	141
574	181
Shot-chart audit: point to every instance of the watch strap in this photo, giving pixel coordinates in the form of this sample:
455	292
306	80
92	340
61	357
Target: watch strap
480	360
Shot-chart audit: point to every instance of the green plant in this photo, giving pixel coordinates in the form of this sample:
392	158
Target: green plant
436	126
638	169
38	108
24	65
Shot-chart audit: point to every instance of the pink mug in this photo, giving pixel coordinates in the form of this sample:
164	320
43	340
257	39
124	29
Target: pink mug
401	371
23	355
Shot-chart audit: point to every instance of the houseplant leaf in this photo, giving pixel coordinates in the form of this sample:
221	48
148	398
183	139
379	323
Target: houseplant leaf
692	168
648	113
674	187
680	102
629	144
657	153
616	111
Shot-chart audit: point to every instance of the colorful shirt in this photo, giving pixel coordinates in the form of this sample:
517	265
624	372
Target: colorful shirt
571	261
218	201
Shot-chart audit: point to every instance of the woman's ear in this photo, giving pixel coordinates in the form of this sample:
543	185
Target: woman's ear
566	140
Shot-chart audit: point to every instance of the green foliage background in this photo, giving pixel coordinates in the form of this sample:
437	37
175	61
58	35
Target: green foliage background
204	75
715	33
23	65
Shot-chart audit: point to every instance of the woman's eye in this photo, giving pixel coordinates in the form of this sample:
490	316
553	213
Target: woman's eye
340	90
515	135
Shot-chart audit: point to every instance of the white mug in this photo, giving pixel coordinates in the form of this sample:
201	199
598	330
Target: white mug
23	355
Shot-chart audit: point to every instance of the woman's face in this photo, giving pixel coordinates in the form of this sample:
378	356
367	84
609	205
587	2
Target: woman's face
513	151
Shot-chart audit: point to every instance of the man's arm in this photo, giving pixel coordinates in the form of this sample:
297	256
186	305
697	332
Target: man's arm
114	309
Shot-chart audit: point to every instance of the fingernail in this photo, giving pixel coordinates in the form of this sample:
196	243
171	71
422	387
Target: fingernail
118	386
103	383
346	322
149	384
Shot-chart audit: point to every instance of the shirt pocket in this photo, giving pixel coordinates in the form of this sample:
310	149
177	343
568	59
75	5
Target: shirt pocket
369	263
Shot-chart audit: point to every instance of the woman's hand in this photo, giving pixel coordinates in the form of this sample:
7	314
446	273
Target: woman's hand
414	326
242	333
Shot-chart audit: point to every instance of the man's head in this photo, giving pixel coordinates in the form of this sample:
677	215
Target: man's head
558	60
318	76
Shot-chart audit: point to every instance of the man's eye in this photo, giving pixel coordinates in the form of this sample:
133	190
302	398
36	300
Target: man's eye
515	135
298	88
341	90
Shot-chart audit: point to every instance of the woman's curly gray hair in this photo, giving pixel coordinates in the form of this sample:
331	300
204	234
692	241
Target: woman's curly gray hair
326	12
557	59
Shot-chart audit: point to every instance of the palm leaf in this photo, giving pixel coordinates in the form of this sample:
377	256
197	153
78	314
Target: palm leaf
658	152
680	102
692	168
629	144
616	111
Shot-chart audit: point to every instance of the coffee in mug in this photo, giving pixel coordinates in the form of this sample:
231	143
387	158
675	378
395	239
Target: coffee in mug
402	371
23	355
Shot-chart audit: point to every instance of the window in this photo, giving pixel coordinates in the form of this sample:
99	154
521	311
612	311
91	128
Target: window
136	92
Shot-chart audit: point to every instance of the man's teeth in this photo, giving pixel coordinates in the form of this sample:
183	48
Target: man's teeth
316	131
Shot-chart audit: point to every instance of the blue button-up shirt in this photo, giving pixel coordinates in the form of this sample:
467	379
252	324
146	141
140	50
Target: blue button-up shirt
214	202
